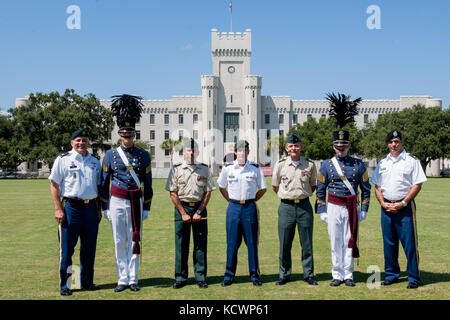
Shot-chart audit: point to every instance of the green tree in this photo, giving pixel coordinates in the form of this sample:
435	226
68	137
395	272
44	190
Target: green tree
426	132
43	126
9	155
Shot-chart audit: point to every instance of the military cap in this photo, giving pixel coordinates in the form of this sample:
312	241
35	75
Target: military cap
241	144
191	144
393	134
79	133
341	138
293	138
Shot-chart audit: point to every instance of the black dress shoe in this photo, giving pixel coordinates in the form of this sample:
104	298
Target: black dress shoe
179	284
202	284
134	287
412	285
389	282
120	288
311	281
282	281
66	292
349	283
257	283
227	283
91	287
336	283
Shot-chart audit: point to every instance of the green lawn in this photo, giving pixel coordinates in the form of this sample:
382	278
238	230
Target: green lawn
29	251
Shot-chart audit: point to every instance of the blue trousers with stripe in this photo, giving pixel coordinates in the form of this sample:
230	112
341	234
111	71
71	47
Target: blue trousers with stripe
400	227
242	221
81	221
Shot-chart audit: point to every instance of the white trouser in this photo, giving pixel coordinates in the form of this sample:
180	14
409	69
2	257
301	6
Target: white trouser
339	233
126	262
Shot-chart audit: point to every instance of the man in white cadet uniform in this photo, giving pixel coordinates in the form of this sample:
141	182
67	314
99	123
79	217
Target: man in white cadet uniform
239	183
75	177
398	179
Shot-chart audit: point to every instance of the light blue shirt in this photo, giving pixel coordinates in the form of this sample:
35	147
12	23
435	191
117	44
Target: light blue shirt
242	183
77	176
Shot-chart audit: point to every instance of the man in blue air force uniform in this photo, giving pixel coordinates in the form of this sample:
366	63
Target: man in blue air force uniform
126	203
242	184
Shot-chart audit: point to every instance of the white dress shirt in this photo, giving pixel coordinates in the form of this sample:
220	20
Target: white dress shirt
242	182
396	175
77	176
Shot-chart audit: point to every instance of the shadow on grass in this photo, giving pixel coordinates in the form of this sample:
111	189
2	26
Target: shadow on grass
359	277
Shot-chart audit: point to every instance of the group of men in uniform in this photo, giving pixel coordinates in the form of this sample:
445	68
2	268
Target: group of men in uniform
122	187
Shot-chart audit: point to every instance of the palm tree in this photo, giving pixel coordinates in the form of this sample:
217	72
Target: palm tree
172	145
281	144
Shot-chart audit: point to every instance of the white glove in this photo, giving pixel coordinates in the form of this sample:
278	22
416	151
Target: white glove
324	217
145	214
362	215
106	215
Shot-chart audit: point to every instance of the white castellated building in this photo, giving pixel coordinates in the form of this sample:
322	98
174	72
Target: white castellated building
231	107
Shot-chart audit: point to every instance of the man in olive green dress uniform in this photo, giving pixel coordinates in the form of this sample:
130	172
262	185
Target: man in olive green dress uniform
294	181
190	185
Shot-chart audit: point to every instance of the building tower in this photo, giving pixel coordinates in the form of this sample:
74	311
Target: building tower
231	96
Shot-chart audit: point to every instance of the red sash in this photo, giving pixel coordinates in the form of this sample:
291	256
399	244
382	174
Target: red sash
134	196
350	203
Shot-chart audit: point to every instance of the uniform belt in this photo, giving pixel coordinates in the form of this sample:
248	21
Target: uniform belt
295	201
190	204
392	201
242	201
78	201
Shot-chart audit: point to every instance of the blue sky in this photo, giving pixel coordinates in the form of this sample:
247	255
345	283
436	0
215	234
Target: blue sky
158	49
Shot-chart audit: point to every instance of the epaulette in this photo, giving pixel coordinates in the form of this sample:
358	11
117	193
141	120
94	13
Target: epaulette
64	154
254	164
282	159
176	165
413	156
228	164
309	160
203	164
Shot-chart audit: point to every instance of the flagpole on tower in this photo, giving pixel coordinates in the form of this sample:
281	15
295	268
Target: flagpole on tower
231	16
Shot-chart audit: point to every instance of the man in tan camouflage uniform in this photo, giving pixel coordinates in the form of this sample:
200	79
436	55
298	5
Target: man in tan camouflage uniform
294	181
190	185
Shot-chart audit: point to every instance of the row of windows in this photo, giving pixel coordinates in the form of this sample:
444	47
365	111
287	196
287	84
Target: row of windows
180	118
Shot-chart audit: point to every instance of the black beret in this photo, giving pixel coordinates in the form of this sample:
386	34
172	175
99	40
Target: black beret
241	144
191	144
393	134
79	133
293	138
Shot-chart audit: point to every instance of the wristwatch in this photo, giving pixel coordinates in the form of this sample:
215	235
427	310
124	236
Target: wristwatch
198	212
404	203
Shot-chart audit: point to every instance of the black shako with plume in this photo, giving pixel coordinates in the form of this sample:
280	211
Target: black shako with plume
127	110
344	110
